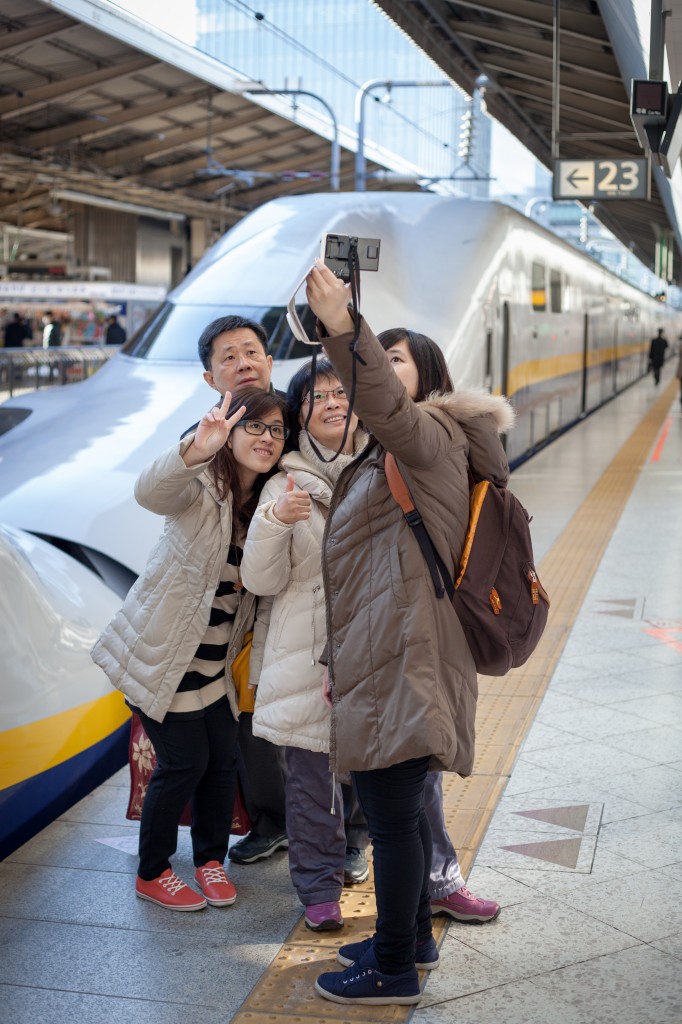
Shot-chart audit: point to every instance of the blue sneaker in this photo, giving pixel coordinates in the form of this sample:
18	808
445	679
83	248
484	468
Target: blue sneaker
365	984
427	953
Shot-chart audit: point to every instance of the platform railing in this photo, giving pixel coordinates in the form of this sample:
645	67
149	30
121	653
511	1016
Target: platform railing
32	369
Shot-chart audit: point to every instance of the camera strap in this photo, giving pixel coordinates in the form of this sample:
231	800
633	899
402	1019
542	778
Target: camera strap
354	278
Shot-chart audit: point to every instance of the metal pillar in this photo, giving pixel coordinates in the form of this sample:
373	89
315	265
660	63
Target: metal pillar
335	168
556	84
362	93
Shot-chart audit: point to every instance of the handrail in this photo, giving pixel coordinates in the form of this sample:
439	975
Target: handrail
31	369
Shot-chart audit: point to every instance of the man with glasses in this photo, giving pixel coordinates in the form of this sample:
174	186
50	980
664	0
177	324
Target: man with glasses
234	354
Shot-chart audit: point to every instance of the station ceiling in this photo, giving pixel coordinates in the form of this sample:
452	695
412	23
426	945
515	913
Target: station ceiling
511	41
83	112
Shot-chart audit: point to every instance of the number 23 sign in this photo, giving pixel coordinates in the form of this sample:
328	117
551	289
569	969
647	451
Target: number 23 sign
610	178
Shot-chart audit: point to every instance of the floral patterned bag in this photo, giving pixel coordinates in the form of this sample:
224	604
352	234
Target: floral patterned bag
142	761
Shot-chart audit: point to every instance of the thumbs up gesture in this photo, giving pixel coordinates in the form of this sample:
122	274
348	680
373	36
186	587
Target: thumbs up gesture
292	506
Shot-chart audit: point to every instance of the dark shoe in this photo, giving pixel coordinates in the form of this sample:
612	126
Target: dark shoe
254	847
464	906
355	867
324	917
365	984
427	958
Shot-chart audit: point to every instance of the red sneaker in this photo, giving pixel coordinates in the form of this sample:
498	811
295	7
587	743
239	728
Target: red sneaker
170	892
464	906
215	885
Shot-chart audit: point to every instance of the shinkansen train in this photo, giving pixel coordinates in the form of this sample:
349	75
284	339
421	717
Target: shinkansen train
515	310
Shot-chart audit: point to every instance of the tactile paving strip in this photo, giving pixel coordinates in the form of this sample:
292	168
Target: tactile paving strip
285	993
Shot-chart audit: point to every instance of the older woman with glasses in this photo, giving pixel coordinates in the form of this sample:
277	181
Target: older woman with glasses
171	647
282	557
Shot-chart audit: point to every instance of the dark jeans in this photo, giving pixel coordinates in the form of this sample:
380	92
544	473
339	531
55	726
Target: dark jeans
196	761
262	777
393	802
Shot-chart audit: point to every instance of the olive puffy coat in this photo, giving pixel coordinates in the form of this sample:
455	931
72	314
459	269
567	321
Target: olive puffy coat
402	677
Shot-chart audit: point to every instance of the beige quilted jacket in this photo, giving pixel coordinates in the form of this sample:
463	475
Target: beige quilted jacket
148	645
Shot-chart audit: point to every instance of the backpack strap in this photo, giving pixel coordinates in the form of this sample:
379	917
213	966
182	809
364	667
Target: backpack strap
442	580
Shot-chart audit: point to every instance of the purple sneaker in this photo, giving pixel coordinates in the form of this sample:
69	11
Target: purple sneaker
464	906
324	917
365	984
427	958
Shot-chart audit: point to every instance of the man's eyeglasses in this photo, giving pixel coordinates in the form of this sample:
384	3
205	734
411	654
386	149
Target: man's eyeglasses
323	396
277	430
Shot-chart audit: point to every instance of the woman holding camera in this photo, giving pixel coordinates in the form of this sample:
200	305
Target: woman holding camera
401	678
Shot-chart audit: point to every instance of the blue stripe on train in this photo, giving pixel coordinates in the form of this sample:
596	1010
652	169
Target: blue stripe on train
29	806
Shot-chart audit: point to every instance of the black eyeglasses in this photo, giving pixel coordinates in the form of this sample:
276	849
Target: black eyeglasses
277	430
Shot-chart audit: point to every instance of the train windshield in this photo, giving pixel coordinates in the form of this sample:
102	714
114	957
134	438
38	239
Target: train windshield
173	331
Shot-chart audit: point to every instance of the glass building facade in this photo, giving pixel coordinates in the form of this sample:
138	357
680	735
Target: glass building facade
332	49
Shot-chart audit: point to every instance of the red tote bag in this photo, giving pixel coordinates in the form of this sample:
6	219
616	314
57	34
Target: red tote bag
142	762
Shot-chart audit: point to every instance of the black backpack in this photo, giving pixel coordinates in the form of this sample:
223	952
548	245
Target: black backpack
497	595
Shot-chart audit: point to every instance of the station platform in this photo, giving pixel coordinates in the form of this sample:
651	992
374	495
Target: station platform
572	819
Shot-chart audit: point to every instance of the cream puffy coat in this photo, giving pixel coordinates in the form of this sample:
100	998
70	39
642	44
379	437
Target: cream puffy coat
148	645
285	561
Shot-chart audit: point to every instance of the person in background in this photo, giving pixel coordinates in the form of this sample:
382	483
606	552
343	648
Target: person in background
657	354
171	647
115	333
400	677
15	331
52	331
234	353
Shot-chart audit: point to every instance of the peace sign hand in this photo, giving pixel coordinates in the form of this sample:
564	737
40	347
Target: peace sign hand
212	432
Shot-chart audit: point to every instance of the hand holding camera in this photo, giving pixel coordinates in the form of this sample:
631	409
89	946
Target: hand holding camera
328	298
293	505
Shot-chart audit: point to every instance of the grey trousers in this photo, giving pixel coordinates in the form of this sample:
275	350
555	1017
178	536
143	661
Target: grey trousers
446	876
318	838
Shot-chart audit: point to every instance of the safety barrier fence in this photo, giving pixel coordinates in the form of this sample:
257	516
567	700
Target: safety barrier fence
31	369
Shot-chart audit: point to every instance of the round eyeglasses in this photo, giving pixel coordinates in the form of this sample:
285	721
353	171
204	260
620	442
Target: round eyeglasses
323	396
277	430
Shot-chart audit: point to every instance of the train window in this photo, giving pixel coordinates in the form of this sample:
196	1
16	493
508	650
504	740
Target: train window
538	287
555	290
173	332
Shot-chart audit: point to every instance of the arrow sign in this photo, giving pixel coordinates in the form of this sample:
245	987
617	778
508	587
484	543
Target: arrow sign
573	178
576	178
610	178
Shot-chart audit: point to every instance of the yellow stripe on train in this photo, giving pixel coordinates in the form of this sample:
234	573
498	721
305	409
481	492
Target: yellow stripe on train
30	749
537	371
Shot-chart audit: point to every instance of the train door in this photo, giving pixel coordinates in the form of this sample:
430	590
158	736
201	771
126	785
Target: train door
506	330
614	358
488	367
586	342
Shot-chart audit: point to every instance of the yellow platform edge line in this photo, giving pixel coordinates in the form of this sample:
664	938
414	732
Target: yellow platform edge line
284	992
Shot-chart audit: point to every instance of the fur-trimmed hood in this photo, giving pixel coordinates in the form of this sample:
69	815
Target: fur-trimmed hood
466	404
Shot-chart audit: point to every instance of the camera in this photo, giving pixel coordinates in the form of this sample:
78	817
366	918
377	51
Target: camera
335	248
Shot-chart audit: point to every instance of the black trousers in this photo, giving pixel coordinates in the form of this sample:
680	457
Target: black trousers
261	773
393	803
196	761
